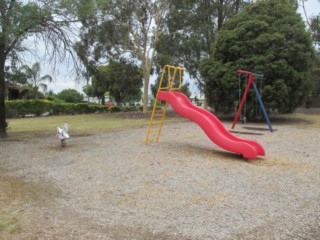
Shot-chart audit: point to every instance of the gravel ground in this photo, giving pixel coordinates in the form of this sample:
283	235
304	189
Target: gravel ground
112	186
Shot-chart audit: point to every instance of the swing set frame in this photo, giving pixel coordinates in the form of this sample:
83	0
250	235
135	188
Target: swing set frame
244	97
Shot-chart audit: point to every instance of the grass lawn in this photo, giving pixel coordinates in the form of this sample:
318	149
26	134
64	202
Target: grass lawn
314	119
78	123
106	122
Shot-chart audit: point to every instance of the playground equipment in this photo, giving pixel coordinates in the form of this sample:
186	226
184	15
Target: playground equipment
244	97
210	124
174	78
62	133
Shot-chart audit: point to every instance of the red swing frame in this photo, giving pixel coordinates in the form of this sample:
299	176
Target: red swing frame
244	97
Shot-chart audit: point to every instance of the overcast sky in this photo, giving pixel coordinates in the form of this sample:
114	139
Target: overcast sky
64	78
312	7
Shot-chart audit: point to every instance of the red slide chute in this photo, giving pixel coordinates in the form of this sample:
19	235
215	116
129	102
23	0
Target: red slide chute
212	126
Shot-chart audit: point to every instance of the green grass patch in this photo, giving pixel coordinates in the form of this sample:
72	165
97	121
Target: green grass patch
16	195
82	123
9	225
314	119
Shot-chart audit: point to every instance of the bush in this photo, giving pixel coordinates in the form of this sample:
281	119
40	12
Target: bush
128	108
114	109
40	107
63	108
21	108
82	108
95	108
89	108
70	96
77	108
11	110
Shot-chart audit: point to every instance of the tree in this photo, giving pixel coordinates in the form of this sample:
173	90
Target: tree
14	75
269	37
315	28
314	25
123	81
123	27
70	96
192	27
89	91
184	88
33	76
47	21
99	85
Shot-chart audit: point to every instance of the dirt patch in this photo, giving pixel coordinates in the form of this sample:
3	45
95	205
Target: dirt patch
20	215
16	196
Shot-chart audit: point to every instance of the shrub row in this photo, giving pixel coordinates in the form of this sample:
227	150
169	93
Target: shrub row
22	108
18	108
76	108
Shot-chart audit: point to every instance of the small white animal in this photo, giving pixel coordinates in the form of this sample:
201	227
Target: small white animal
62	133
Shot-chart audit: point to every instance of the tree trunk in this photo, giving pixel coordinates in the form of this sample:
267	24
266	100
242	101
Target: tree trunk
237	6
3	125
36	92
205	103
220	13
145	94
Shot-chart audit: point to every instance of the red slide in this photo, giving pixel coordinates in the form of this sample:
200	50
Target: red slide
212	126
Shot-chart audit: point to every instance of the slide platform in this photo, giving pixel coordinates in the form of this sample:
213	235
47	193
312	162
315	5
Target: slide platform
212	126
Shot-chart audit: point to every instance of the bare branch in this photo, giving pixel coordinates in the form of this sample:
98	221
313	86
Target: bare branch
305	13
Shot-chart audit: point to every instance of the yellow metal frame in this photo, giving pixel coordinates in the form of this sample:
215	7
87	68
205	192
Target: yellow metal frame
159	111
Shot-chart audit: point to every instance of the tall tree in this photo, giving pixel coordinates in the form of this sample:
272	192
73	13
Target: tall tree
269	37
14	75
99	84
314	25
122	28
122	79
315	28
192	27
184	88
34	78
70	96
47	21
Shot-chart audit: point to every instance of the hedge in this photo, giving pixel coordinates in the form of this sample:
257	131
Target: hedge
23	108
77	108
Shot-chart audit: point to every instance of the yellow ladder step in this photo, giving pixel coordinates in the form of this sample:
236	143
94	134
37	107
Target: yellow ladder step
174	79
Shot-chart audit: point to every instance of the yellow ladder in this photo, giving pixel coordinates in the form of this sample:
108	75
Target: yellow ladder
174	83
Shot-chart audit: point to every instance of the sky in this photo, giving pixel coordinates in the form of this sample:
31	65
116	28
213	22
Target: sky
312	7
64	77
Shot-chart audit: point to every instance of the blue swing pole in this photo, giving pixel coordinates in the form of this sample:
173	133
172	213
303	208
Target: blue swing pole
262	106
